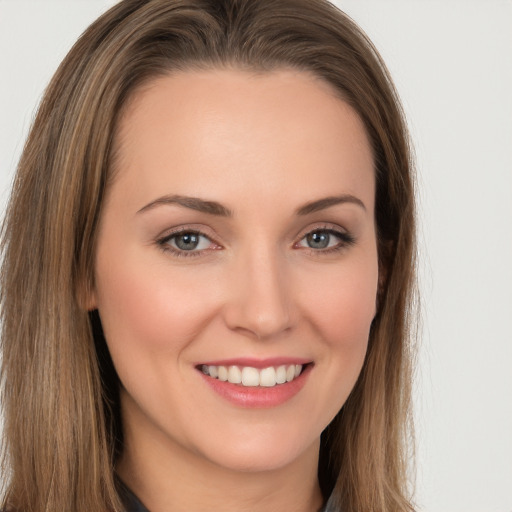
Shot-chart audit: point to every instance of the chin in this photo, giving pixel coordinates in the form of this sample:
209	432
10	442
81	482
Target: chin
263	454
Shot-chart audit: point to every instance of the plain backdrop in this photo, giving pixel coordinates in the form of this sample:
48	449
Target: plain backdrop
452	64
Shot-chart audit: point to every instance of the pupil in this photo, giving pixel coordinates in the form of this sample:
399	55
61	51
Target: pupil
187	241
318	240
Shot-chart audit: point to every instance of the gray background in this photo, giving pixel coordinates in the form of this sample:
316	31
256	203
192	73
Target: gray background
452	63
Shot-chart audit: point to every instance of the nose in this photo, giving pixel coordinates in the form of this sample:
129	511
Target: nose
260	303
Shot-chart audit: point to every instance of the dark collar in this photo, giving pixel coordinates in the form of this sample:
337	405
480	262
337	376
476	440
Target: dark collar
130	501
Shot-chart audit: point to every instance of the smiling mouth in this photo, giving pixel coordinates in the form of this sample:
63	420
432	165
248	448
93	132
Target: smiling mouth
247	376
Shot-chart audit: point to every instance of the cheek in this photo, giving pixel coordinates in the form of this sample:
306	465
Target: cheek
344	307
153	311
340	306
342	312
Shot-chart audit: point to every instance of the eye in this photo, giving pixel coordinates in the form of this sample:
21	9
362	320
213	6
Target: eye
186	242
321	239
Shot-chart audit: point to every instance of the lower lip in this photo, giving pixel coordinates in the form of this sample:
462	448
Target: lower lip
258	396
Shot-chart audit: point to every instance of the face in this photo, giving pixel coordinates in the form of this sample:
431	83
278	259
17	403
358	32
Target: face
236	267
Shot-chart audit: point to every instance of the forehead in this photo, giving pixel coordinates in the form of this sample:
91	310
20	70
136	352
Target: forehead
221	129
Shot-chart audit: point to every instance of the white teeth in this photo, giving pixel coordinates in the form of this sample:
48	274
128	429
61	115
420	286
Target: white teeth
252	377
281	375
268	377
223	373
234	375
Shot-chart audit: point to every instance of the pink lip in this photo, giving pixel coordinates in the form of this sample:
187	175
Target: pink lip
258	397
256	363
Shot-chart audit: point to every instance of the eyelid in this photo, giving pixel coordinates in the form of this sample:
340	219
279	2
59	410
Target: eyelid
163	239
346	237
323	226
200	229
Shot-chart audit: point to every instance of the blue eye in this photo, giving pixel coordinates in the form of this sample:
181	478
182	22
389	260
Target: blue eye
185	241
322	239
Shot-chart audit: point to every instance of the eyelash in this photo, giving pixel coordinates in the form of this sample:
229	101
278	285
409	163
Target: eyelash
164	245
346	240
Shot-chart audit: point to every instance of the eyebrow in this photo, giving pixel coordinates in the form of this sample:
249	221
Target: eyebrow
215	208
194	203
327	202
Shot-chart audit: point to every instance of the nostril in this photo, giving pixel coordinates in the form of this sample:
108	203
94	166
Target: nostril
261	325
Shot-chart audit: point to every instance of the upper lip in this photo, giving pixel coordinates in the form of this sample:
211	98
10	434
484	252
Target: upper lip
257	363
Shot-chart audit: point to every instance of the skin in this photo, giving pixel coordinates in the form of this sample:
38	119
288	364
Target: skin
263	146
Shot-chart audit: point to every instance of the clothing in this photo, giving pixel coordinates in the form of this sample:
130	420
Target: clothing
132	503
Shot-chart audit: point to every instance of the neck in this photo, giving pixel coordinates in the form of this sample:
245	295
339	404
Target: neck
167	476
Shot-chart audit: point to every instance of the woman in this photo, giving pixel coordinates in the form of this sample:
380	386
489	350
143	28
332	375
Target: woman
208	268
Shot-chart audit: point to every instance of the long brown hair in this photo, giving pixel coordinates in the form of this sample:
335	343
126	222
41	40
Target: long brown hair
62	430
